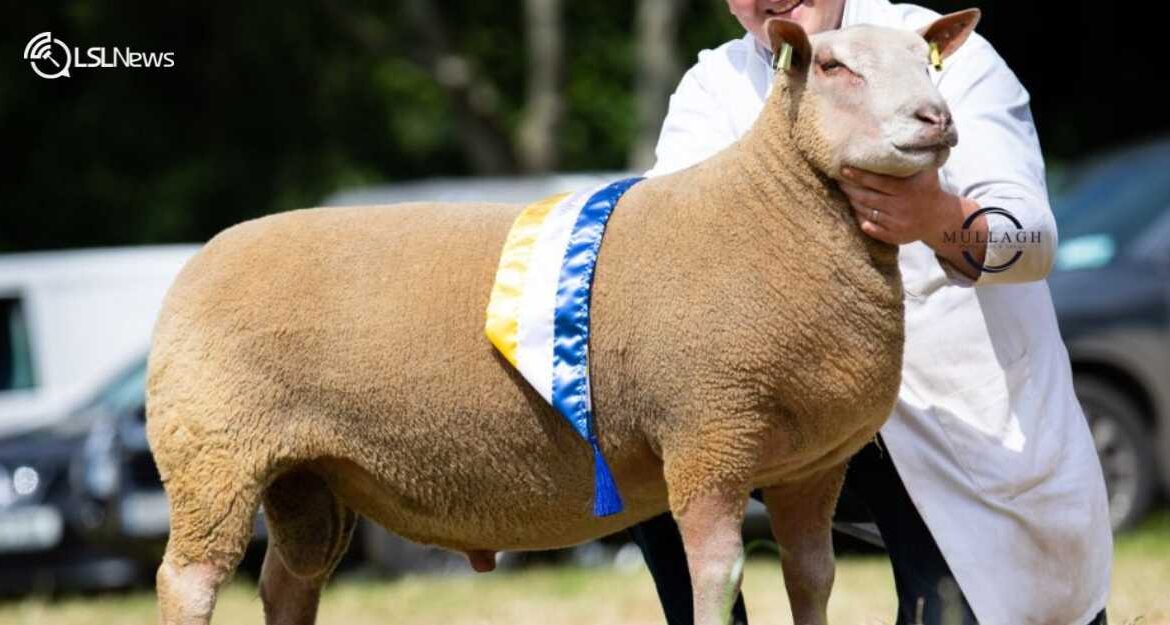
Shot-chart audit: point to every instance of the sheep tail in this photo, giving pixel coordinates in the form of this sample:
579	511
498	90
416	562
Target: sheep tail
606	500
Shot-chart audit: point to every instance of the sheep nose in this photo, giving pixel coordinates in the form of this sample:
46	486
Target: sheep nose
934	115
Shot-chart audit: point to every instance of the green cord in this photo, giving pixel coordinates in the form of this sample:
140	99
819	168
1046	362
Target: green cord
935	56
783	58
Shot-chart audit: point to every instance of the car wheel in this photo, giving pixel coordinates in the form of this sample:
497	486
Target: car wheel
1124	446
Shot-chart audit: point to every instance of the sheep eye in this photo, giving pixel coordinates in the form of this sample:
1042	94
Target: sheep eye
833	67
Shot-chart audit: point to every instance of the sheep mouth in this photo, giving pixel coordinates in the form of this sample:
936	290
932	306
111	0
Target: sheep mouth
784	9
918	148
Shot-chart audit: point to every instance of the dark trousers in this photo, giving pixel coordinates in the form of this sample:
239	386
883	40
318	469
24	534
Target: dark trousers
927	591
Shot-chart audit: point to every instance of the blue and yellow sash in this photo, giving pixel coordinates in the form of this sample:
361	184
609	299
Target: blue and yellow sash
538	314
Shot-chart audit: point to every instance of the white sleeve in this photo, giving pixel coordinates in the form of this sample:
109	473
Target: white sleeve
696	126
998	163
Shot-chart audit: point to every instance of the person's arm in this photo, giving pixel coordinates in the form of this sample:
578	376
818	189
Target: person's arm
1000	164
997	164
696	126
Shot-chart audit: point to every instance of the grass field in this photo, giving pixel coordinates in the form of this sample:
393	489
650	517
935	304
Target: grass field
576	596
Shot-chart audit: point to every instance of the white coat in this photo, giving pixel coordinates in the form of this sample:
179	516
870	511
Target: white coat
987	434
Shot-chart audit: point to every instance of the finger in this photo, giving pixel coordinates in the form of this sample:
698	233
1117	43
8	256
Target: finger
868	197
878	232
865	213
894	224
887	185
886	229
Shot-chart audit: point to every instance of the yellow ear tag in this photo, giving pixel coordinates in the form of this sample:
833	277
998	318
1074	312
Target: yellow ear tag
935	56
783	58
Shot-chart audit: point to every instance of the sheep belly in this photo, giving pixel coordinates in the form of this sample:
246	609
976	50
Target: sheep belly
349	340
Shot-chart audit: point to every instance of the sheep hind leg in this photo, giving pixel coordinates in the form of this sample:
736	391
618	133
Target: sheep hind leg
309	530
211	525
802	520
711	528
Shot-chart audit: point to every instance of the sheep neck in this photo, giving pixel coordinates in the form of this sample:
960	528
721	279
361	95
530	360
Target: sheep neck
783	160
769	193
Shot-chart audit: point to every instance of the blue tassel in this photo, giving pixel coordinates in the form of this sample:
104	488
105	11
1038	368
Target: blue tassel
606	500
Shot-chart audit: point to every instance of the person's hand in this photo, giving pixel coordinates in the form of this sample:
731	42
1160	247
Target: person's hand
900	210
904	210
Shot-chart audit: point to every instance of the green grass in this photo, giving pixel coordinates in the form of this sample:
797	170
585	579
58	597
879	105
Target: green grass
1152	536
1141	594
567	595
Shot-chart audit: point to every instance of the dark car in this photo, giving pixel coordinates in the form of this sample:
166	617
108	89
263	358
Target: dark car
42	524
1111	288
116	482
115	478
81	503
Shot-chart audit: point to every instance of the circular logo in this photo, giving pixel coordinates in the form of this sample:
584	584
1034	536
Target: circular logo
48	57
992	210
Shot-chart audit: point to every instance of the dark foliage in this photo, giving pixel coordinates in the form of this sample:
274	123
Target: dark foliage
271	106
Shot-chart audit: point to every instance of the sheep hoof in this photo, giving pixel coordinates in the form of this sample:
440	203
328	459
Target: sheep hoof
482	560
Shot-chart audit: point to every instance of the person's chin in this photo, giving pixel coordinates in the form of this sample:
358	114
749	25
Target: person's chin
796	14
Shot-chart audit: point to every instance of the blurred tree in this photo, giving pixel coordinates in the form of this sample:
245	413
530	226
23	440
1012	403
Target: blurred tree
539	134
272	105
658	73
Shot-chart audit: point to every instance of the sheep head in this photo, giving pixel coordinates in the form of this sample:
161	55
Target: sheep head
866	92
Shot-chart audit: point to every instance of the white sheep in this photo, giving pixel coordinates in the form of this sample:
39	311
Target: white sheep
745	334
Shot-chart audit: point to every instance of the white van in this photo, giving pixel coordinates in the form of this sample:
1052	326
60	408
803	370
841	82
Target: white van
69	320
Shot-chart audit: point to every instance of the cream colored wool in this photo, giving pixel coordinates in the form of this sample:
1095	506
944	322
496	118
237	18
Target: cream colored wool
744	332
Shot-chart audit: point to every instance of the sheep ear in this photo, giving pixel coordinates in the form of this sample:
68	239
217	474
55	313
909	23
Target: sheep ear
948	32
782	31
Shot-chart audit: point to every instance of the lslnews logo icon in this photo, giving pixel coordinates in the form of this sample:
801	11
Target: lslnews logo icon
50	58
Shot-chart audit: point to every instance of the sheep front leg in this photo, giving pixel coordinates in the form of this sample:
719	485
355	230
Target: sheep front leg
802	520
711	527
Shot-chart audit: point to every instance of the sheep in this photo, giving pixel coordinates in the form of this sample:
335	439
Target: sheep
745	334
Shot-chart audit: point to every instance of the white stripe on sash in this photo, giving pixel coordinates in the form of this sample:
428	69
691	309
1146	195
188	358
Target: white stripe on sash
534	332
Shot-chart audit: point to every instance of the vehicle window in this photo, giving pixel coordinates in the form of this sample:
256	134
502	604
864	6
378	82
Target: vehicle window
127	392
1155	243
16	366
1113	204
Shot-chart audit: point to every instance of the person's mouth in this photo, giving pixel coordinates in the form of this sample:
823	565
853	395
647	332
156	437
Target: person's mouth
782	9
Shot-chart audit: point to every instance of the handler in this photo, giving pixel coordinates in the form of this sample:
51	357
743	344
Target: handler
984	483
